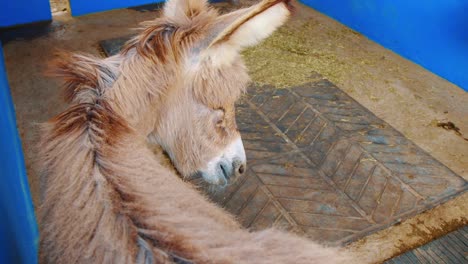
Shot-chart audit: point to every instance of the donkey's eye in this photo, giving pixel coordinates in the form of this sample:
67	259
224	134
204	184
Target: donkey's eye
219	116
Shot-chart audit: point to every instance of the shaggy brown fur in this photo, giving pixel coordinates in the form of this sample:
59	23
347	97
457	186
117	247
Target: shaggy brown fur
108	199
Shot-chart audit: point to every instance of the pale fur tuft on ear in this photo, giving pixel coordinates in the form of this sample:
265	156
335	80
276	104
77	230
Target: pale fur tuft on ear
261	26
181	10
252	26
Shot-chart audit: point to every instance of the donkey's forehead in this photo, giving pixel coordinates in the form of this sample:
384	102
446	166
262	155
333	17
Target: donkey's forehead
218	86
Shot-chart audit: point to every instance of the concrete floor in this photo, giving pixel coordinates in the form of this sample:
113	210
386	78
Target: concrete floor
403	94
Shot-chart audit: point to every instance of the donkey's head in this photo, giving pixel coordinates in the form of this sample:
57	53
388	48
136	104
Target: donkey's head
196	123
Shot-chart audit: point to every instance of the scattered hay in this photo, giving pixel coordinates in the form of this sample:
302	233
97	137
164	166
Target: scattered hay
305	47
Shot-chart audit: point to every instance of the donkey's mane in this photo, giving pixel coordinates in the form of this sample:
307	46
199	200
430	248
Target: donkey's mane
83	74
156	41
162	37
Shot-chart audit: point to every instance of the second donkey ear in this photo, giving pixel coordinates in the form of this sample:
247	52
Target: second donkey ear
182	10
247	27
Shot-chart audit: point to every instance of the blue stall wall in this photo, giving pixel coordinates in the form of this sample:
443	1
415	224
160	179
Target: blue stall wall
432	33
18	230
17	12
83	7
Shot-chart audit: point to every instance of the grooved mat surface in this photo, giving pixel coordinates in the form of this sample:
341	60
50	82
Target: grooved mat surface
323	166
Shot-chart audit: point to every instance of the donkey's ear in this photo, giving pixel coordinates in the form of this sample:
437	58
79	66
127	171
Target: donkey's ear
247	27
180	10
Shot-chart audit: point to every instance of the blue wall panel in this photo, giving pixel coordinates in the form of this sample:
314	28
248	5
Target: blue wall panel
18	230
432	33
17	12
83	7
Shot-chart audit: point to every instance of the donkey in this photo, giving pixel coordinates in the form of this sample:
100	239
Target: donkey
107	198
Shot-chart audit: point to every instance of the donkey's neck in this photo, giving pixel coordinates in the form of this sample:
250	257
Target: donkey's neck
138	89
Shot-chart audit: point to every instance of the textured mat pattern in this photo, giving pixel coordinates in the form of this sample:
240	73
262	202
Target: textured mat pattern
449	249
321	165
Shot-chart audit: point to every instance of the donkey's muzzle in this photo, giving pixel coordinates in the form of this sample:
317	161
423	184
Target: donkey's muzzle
227	167
231	172
224	173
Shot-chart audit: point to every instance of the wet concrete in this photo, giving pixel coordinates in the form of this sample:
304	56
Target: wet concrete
401	93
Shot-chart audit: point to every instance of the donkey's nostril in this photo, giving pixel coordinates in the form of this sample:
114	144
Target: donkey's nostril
225	171
241	169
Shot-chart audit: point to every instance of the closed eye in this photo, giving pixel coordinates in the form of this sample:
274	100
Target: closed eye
220	109
220	112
